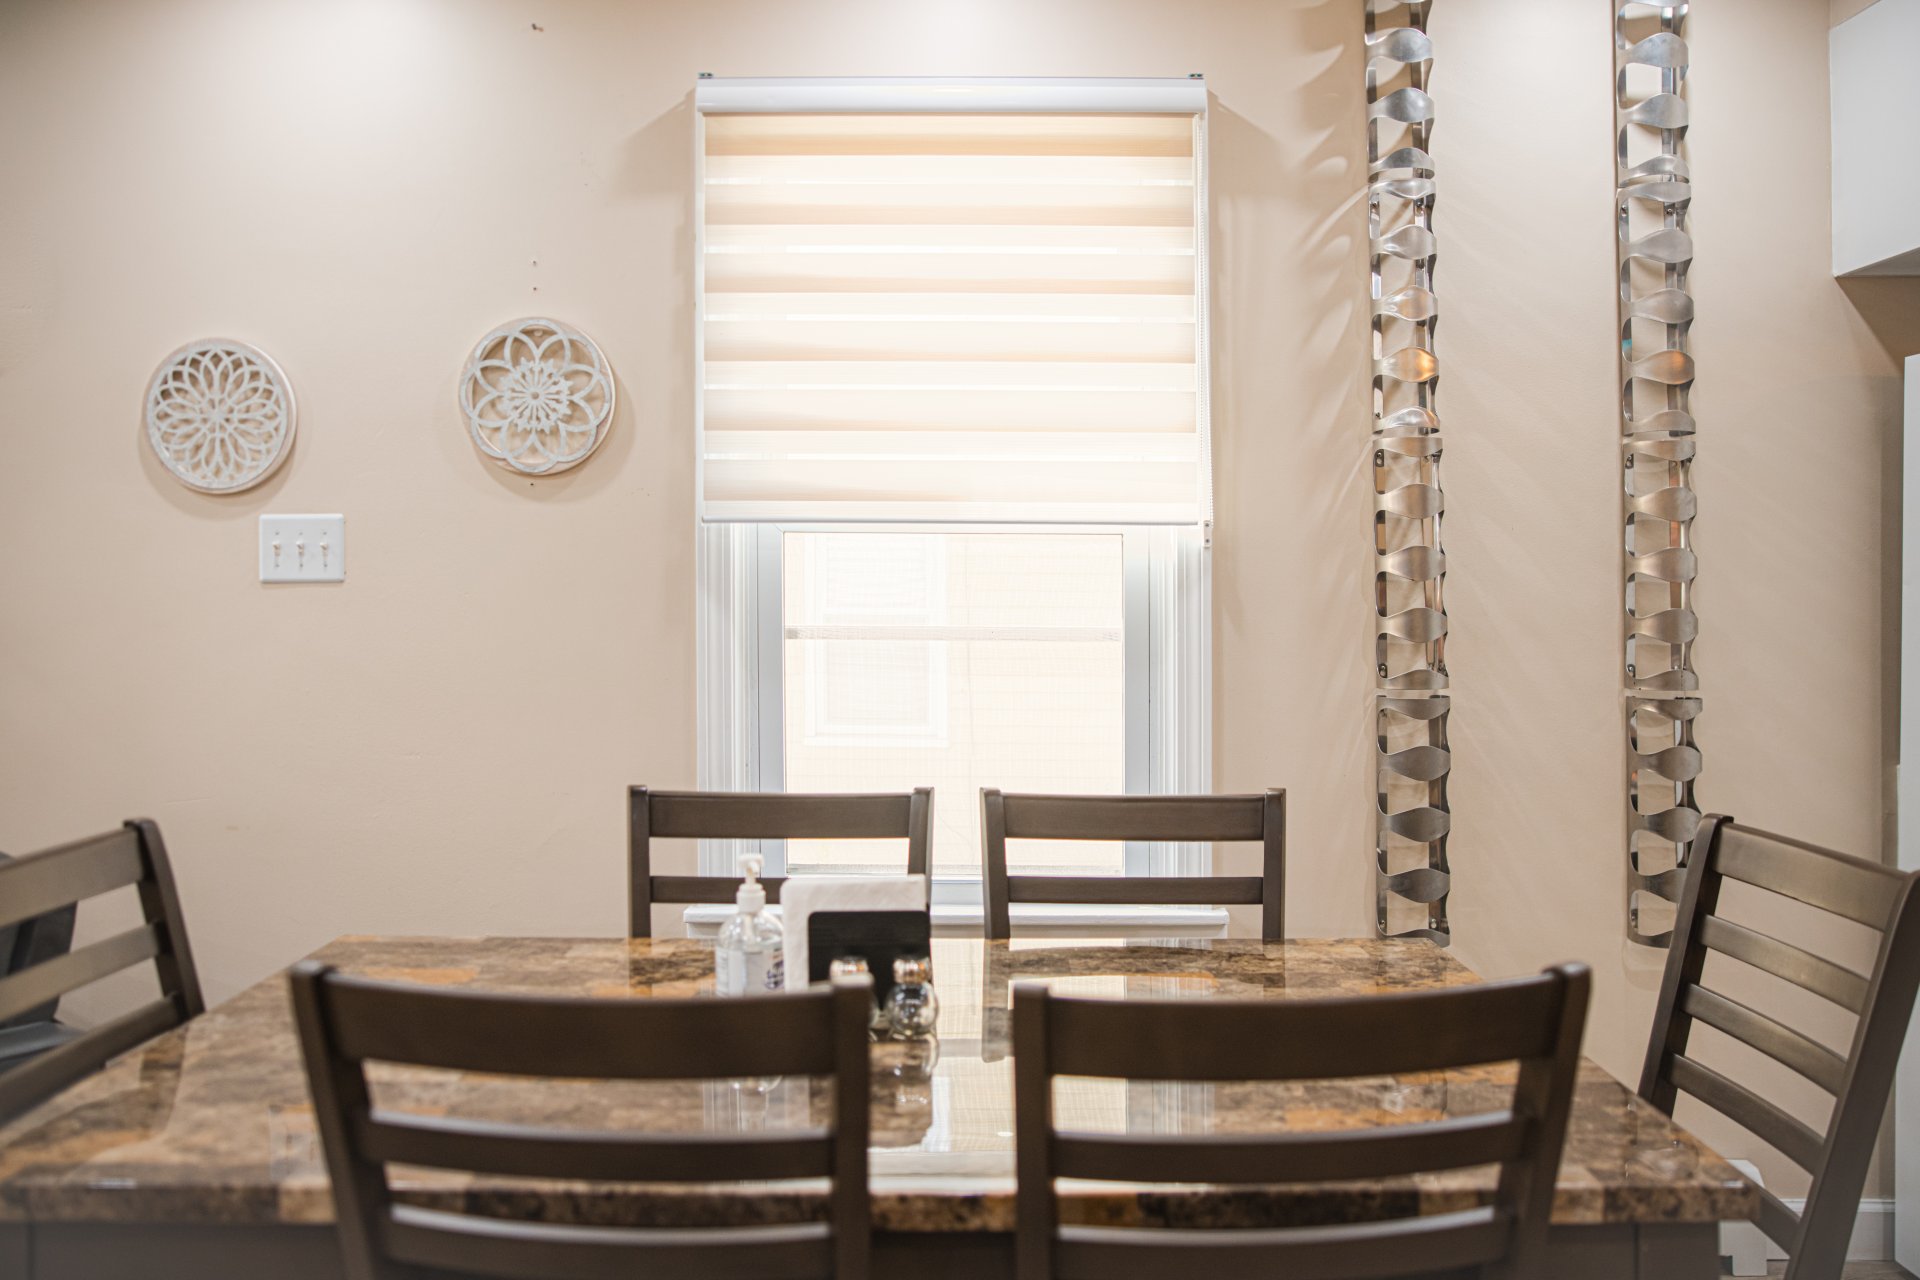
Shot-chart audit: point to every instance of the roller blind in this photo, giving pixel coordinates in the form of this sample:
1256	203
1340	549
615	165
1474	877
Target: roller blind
952	301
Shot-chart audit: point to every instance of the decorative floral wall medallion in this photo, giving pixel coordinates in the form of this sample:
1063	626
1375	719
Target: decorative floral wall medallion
538	396
220	415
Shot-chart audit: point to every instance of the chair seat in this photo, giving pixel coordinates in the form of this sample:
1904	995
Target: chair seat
20	1045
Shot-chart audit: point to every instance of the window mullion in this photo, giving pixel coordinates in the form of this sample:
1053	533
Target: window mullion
1137	651
770	772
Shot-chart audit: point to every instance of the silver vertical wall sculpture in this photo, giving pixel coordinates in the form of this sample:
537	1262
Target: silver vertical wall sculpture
1653	190
1410	703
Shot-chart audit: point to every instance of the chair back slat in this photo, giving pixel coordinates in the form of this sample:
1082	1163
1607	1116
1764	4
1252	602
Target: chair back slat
9	933
458	1245
346	1022
1778	1041
444	1142
1824	978
720	815
756	815
58	880
1786	1134
1170	890
1536	1022
572	1037
1780	1223
1860	1079
1847	886
41	1077
1303	1039
59	877
1012	816
690	889
58	977
1437	1244
1054	817
31	942
1220	1157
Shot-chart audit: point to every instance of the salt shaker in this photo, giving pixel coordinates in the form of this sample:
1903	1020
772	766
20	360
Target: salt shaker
912	1008
847	966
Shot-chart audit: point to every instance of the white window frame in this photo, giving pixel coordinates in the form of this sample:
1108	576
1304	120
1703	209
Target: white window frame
1167	675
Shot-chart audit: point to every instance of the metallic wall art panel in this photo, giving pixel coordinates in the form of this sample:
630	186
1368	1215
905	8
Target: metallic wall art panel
1411	702
1653	191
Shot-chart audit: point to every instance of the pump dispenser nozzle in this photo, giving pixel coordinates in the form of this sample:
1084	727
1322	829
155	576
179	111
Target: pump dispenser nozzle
752	895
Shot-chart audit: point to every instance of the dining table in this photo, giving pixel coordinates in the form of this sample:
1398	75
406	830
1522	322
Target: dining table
196	1155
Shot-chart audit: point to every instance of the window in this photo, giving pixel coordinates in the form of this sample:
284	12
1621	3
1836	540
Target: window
953	460
958	661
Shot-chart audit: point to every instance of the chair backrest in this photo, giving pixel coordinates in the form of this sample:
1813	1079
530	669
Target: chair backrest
61	878
1536	1022
32	942
9	935
346	1022
757	815
1882	899
1261	818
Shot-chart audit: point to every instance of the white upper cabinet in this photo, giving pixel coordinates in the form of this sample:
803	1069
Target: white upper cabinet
1876	155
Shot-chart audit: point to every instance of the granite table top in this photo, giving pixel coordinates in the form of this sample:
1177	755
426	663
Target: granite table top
211	1123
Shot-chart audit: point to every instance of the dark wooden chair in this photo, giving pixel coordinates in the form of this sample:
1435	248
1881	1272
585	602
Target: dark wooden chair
1536	1022
46	882
26	943
1854	889
346	1022
1181	818
757	815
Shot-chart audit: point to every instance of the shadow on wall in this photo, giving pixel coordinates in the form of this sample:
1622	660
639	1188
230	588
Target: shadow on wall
1889	306
654	166
1290	414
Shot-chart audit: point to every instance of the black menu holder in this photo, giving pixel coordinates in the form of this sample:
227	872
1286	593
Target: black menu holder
878	937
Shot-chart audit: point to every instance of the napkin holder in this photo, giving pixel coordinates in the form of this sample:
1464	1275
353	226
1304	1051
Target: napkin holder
877	937
877	918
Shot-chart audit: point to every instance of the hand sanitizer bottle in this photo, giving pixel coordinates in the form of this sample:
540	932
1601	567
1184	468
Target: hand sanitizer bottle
748	959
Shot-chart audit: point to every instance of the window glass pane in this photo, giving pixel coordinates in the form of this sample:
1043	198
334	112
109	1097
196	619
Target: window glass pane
957	661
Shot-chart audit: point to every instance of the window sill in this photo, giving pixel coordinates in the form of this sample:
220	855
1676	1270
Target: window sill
968	918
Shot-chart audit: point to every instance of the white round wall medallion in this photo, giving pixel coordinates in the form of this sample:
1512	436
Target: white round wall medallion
220	415
537	395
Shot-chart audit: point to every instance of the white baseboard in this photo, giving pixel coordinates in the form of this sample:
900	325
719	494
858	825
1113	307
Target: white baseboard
1872	1232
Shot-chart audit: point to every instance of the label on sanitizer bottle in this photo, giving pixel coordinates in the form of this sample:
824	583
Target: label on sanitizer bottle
742	972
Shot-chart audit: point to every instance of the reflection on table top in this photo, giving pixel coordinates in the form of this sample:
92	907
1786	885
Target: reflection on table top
211	1122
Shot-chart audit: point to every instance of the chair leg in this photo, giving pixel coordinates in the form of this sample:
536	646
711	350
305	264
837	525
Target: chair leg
1741	1243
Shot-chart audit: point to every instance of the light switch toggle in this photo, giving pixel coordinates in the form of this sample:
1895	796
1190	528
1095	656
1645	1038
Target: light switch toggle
303	548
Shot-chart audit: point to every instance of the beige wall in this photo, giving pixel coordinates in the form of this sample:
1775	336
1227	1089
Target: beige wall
1798	475
440	745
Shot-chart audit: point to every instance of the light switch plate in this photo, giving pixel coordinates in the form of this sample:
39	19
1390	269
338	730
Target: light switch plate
303	548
